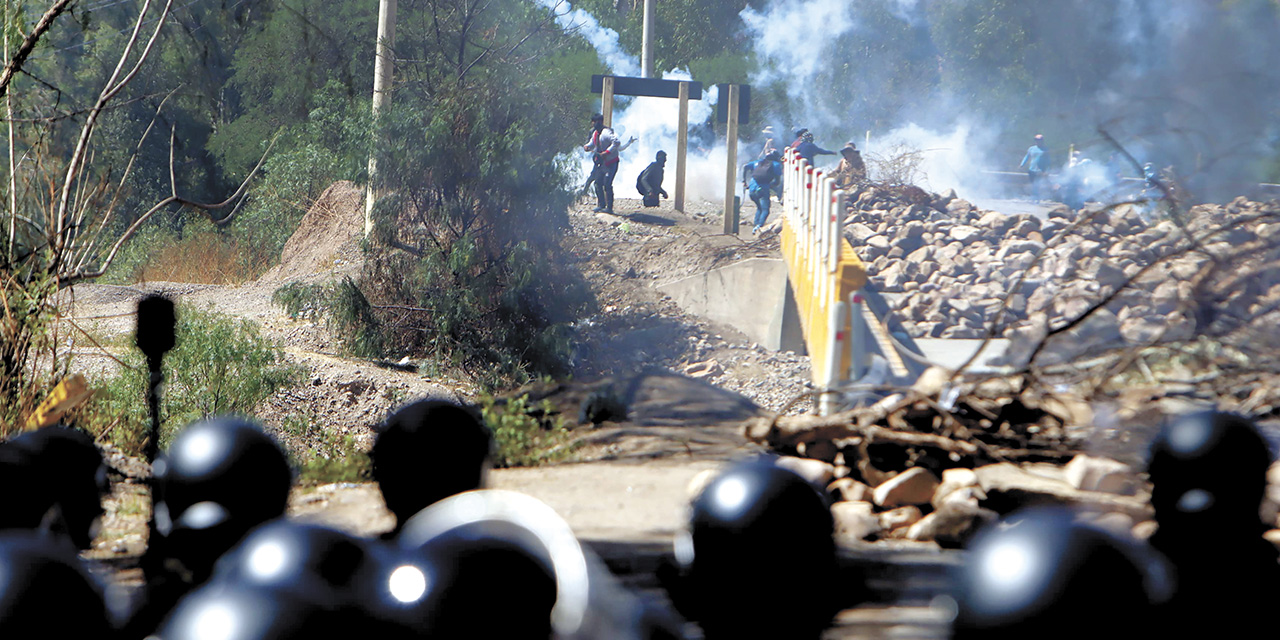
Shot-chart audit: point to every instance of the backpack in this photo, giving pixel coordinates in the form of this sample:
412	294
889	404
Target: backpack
763	173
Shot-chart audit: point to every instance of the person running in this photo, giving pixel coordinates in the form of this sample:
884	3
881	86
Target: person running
649	184
759	178
1036	163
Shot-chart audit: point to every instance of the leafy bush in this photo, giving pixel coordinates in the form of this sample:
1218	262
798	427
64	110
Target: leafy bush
219	365
523	439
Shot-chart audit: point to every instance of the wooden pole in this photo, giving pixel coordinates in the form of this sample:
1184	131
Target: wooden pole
606	101
646	47
731	168
682	144
383	67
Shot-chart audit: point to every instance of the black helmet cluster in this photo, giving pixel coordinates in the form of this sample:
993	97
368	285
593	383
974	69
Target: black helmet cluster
758	528
285	580
1043	571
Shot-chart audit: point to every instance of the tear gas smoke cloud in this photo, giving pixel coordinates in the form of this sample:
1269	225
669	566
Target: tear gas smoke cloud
1179	82
603	39
652	121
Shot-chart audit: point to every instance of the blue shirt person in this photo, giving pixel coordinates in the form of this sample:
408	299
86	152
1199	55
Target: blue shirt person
760	177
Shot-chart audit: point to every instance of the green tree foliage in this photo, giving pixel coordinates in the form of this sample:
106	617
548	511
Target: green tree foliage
465	264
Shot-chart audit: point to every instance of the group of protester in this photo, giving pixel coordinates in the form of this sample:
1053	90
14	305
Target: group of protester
760	178
1081	179
606	148
763	176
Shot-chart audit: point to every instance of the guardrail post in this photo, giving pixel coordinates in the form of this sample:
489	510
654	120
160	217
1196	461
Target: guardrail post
831	376
857	338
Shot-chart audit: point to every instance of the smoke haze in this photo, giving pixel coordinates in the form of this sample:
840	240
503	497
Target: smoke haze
1191	84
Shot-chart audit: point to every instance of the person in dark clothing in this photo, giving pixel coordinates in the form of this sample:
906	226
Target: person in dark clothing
759	178
807	149
799	138
1036	163
649	184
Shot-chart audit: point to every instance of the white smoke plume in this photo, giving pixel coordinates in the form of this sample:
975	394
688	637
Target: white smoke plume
603	39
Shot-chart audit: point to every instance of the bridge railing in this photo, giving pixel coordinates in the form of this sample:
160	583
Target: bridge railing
825	275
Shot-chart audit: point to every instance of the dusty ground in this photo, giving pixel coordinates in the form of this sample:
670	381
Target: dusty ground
628	487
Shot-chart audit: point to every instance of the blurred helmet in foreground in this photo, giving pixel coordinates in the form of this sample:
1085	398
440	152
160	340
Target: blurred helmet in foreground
45	592
1038	572
427	451
220	478
758	531
62	479
503	564
1208	470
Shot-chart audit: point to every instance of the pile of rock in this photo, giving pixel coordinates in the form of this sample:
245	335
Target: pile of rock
909	469
962	271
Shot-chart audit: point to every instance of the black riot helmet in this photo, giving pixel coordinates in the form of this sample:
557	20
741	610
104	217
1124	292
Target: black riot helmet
1039	572
442	585
45	592
753	528
1208	469
429	450
316	564
220	478
231	611
62	479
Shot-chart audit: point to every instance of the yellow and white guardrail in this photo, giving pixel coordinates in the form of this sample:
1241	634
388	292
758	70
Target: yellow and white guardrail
825	275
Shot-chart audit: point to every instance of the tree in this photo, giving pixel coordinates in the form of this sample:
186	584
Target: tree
60	207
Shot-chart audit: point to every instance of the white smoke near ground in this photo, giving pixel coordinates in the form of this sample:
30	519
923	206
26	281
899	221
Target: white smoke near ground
794	43
951	159
651	121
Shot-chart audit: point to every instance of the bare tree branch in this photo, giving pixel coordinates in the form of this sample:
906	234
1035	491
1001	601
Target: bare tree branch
29	43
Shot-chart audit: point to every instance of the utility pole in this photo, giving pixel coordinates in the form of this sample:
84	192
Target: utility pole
646	49
383	67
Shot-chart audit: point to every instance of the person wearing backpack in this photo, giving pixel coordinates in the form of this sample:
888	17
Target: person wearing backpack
606	150
759	178
649	183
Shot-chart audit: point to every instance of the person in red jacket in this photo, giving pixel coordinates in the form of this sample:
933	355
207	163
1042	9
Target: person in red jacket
606	152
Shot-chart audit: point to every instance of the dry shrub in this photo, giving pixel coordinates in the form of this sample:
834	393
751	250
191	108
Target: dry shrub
204	258
898	165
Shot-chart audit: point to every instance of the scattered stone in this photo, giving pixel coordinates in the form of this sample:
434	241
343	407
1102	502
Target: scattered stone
951	525
900	517
913	486
816	472
855	520
1092	473
849	490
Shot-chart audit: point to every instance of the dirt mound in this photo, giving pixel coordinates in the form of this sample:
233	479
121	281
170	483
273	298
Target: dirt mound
326	237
